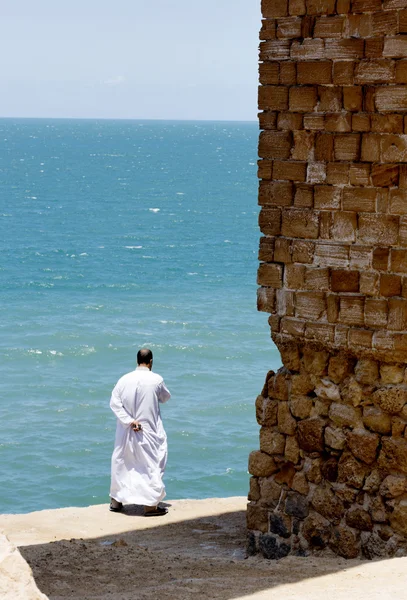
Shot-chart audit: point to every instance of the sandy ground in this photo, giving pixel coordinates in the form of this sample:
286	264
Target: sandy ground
196	551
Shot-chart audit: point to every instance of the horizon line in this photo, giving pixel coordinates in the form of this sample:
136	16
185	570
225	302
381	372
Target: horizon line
203	120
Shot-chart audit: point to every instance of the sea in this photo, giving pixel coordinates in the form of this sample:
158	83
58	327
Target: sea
116	235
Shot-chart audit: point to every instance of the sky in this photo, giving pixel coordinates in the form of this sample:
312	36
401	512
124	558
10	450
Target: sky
129	59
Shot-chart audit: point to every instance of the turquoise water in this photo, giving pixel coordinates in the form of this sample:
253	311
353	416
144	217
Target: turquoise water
115	235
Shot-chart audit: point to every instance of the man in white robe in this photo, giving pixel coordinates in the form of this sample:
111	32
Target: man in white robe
140	452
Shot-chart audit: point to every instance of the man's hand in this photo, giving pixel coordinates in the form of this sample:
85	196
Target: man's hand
136	426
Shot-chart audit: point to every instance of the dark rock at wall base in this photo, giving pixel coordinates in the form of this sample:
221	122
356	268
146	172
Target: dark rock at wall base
271	548
251	546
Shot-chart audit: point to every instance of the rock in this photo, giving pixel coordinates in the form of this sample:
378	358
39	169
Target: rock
311	435
328	390
344	542
376	420
280	525
271	441
372	482
352	392
300	406
278	385
261	464
344	416
366	371
259	409
315	362
391	373
254	492
334	438
301	384
358	518
397	427
271	548
393	486
363	445
16	578
350	471
346	494
391	400
377	510
300	484
339	367
373	546
398	518
286	422
266	411
270	492
285	475
257	517
329	469
327	504
320	408
264	392
317	531
292	450
393	455
251	543
312	470
290	355
296	505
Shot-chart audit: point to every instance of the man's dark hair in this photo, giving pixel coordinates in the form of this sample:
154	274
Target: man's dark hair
144	356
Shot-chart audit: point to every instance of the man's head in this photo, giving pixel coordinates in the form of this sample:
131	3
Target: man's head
145	357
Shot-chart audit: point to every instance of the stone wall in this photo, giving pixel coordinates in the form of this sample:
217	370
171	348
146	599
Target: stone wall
332	465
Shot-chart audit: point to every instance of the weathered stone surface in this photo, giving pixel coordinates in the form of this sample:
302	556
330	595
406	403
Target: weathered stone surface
373	546
393	455
254	493
378	510
301	384
315	363
328	390
372	481
363	445
327	504
292	450
344	416
16	578
316	531
376	420
390	400
335	438
329	469
340	367
351	471
270	491
346	494
358	518
271	441
286	422
290	355
351	392
344	542
393	486
320	408
398	518
285	475
280	524
366	371
266	411
300	483
391	373
257	517
271	548
311	435
261	464
312	470
296	505
300	406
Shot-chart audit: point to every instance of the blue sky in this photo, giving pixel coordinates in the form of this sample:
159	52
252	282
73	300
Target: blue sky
132	59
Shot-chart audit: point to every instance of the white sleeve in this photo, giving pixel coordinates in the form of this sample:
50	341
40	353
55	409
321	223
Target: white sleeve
163	393
117	407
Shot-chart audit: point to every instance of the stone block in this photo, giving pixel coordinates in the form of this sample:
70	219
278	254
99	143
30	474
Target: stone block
347	146
289	28
254	492
385	23
270	491
292	450
273	97
391	399
398	260
282	251
275	50
320	7
270	274
327	504
378	229
369	285
315	362
340	366
314	72
358	518
327	197
271	548
366	371
316	172
302	99
256	518
337	173
316	279
361	122
344	226
286	422
300	484
385	176
280	524
334	438
302	251
317	531
391	373
297	7
353	98
261	464
270	221
266	299
300	406
370	148
296	505
376	313
288	73
327	390
271	442
359	175
289	121
274	8
278	193
324	147
304	196
391	98
393	148
269	74
275	144
289	170
343	72
303	145
351	471
387	123
398	202
331	255
375	71
344	281
351	310
314	121
311	435
310	305
343	415
398	518
363	445
393	455
393	486
307	49
344	49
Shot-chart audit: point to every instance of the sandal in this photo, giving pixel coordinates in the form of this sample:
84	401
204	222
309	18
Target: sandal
157	512
118	507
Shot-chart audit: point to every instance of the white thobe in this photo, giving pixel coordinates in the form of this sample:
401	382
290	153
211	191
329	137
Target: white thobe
139	457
